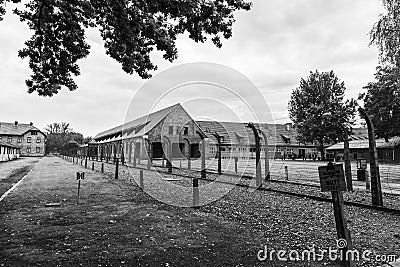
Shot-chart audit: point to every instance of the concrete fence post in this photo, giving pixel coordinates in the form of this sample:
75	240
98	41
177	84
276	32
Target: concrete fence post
286	173
116	168
236	165
196	201
141	184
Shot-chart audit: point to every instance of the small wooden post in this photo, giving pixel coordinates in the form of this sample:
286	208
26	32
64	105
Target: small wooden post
116	167
141	184
341	228
196	203
79	188
85	162
102	167
286	173
79	176
92	166
236	165
332	179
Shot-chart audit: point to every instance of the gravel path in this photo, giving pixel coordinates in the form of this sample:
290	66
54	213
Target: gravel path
273	219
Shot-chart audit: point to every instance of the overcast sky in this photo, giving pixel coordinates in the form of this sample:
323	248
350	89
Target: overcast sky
274	45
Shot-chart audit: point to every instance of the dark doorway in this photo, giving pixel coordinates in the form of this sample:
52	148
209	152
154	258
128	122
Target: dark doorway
195	151
157	150
302	153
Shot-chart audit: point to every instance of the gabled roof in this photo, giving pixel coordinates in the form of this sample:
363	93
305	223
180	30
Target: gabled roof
364	144
139	126
7	128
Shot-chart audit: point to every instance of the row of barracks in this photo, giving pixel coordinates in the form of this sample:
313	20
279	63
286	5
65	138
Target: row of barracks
172	133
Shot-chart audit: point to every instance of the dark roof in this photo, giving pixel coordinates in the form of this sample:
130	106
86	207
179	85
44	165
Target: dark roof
2	143
139	126
236	133
364	144
7	128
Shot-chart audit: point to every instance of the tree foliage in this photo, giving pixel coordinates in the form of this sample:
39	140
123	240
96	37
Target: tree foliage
59	135
385	34
131	30
318	110
382	101
58	128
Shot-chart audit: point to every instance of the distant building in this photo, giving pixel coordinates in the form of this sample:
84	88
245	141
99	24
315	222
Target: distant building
174	129
29	139
359	149
237	140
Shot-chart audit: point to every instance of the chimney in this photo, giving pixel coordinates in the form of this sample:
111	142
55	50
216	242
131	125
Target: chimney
16	123
31	123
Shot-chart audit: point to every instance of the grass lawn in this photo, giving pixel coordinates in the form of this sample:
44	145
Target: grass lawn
117	224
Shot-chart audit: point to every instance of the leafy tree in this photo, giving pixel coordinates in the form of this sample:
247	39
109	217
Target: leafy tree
58	128
385	34
382	101
318	110
131	30
59	135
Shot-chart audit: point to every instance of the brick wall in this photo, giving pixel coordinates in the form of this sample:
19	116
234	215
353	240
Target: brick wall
37	149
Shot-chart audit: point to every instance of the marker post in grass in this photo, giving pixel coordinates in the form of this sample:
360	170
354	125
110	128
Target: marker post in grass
141	185
79	176
196	201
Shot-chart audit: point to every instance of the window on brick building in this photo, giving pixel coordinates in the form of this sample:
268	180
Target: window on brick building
28	149
38	149
28	139
38	140
33	132
19	139
185	130
9	139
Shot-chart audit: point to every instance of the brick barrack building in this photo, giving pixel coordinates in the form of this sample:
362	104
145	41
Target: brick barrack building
173	132
29	140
